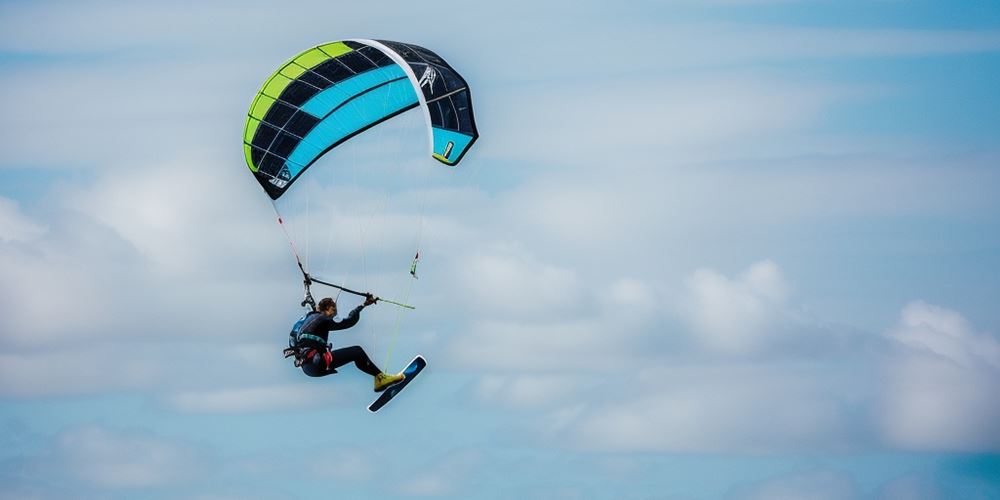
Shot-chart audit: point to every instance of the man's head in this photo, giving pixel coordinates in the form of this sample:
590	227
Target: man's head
327	306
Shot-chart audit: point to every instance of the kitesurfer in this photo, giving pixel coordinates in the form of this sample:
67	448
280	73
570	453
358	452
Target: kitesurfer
310	345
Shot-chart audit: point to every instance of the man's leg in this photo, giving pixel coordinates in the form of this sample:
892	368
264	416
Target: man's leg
356	354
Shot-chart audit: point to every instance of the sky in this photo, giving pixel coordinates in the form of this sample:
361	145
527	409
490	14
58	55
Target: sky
711	249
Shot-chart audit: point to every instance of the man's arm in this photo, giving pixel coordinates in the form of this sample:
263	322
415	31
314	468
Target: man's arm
351	319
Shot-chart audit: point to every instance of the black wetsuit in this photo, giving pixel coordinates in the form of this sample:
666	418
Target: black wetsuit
320	360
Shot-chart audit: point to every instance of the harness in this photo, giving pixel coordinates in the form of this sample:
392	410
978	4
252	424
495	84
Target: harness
306	354
305	346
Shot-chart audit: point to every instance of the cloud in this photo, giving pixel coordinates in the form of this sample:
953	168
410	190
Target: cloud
59	372
510	282
719	365
15	226
447	474
514	345
118	27
939	384
720	409
250	399
765	379
129	251
151	364
528	392
346	464
174	215
736	316
659	223
665	121
575	216
742	43
947	334
124	459
736	369
531	365
529	314
61	285
112	114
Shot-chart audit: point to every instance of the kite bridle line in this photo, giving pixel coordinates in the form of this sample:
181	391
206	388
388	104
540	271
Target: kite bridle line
308	280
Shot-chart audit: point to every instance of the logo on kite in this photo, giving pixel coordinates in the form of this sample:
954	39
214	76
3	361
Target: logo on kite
282	179
427	79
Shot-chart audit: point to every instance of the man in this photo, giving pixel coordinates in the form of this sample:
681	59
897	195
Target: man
310	345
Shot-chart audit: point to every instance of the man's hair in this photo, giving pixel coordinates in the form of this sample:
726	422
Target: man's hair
326	304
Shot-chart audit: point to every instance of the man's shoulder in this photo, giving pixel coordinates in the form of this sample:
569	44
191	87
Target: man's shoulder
308	320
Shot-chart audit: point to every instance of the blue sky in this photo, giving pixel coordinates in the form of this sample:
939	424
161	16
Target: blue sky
703	249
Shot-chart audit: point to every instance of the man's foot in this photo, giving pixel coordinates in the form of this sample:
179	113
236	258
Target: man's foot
384	380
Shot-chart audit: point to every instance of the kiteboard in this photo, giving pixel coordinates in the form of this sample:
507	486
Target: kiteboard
411	371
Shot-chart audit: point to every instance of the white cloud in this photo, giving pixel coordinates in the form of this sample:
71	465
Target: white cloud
736	316
666	121
665	218
115	26
620	377
547	324
57	372
67	289
574	216
719	409
116	459
153	253
346	464
509	282
443	475
947	334
15	226
940	384
250	399
153	364
188	218
542	346
115	113
633	295
528	392
65	284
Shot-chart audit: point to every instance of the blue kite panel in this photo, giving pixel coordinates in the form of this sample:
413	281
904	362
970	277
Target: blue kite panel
362	112
328	100
459	142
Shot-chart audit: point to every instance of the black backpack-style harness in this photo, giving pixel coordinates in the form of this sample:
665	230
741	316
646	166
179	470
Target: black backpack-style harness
305	346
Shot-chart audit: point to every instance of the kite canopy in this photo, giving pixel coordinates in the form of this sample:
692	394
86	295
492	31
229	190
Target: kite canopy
332	92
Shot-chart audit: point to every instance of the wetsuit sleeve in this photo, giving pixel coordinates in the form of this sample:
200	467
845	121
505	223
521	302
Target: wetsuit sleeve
349	321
